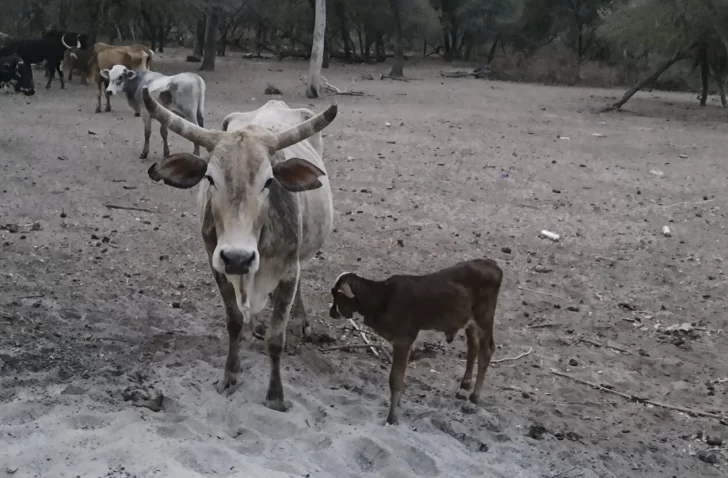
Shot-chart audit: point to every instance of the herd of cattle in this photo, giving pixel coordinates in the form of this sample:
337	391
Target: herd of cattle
266	208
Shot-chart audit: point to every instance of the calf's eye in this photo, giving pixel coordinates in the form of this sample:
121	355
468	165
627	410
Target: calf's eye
267	183
209	178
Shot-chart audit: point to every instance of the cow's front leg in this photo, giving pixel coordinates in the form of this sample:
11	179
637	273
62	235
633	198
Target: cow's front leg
147	133
231	378
299	310
283	298
163	132
51	73
98	98
60	76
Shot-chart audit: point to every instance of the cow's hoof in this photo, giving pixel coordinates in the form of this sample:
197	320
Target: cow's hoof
108	108
143	155
278	405
229	384
474	398
98	110
462	394
392	420
136	115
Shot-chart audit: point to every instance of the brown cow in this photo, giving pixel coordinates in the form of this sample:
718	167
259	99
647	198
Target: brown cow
104	56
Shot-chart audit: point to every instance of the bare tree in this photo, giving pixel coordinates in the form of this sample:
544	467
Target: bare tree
317	51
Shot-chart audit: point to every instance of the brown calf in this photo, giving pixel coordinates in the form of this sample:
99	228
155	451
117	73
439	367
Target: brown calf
398	308
134	57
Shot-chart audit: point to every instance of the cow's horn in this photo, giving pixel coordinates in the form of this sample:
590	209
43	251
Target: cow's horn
307	128
206	138
78	40
63	40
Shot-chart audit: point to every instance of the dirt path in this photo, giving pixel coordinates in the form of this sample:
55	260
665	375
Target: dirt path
98	304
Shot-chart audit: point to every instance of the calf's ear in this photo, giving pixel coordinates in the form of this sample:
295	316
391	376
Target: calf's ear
297	175
182	170
105	73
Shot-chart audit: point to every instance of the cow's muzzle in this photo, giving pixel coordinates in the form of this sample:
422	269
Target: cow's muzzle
236	261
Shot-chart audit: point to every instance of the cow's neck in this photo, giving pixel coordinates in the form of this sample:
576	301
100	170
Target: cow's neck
133	85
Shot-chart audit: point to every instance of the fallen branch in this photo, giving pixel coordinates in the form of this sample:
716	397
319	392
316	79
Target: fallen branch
699	413
597	344
478	73
346	92
353	346
543	293
543	326
510	359
366	340
128	208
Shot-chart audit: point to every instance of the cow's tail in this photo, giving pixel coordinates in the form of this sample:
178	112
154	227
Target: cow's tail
201	104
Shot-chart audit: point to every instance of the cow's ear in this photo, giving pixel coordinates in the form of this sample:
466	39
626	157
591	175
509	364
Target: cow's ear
182	170
105	73
130	74
297	175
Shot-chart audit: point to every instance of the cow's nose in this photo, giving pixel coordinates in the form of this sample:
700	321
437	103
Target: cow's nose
236	261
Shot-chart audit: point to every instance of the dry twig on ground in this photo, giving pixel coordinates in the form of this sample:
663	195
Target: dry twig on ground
345	92
510	359
699	413
128	208
373	347
613	347
543	293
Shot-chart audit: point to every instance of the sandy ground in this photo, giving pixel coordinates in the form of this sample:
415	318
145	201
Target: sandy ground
101	309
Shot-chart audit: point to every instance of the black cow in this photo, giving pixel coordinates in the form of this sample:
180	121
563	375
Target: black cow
32	51
82	40
14	70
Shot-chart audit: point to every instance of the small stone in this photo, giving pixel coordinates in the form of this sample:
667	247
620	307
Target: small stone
176	305
714	441
400	242
506	250
542	269
63	215
557	191
536	432
73	390
573	362
572	308
63	158
708	456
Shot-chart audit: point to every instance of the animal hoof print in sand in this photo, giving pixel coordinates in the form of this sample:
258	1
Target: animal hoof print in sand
278	405
228	385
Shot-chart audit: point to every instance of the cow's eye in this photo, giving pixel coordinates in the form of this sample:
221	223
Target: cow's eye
267	184
209	178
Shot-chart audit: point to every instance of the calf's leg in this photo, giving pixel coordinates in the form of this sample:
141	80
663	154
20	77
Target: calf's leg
163	132
98	97
60	75
400	352
283	298
51	74
487	346
471	333
231	378
147	133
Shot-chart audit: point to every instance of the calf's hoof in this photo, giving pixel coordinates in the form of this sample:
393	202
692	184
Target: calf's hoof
392	419
229	384
98	110
136	115
143	155
108	108
462	394
278	405
474	398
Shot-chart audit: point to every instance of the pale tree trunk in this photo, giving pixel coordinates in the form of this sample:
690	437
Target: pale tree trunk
208	61
647	81
398	66
317	51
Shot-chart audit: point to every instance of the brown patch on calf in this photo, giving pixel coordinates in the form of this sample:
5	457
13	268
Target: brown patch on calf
165	97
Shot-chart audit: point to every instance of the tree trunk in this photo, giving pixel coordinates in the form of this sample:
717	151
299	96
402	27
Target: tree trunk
398	65
210	50
344	25
649	80
161	35
362	53
64	8
721	88
317	51
199	37
327	52
493	48
381	54
703	58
